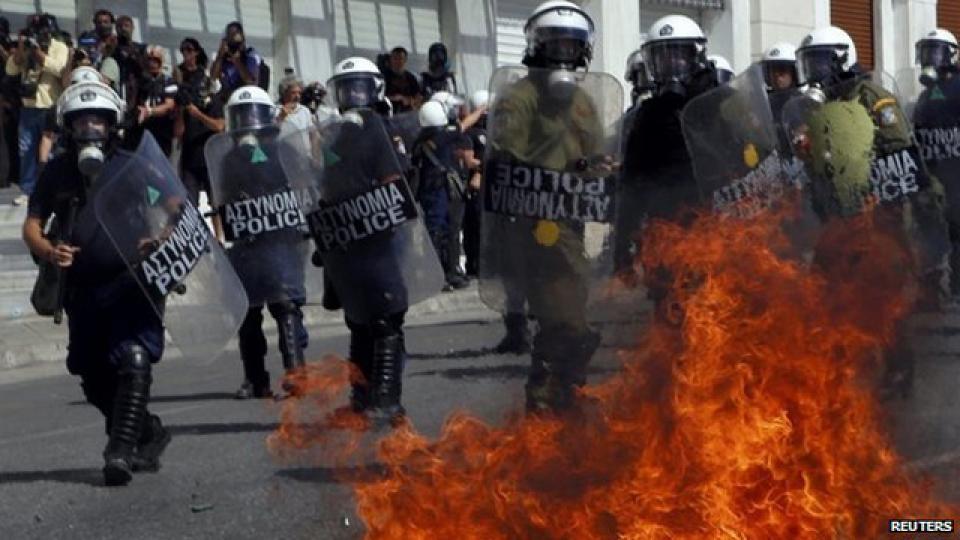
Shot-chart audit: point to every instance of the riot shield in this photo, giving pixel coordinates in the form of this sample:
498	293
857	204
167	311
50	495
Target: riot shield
145	211
886	81
364	220
733	145
910	88
549	193
936	123
260	213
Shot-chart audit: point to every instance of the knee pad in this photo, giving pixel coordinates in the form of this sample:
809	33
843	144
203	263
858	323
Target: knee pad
134	360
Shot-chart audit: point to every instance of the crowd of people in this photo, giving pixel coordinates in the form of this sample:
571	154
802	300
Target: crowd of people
184	104
393	180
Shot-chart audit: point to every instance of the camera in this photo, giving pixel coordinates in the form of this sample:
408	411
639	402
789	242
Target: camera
185	96
312	96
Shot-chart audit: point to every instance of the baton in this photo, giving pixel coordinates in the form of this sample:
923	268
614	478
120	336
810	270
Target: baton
62	277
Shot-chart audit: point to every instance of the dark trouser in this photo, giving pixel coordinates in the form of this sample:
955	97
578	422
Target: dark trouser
11	120
436	217
253	343
195	179
30	128
454	245
378	351
115	336
471	232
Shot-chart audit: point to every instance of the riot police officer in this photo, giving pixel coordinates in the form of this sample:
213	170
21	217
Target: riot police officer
368	277
546	123
865	130
658	180
936	121
115	333
780	72
440	188
260	216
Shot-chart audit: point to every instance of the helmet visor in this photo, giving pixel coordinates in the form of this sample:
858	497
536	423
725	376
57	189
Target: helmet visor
89	125
817	64
935	54
724	76
563	45
250	116
672	60
355	91
780	74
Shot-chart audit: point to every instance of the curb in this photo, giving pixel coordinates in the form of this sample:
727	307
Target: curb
36	340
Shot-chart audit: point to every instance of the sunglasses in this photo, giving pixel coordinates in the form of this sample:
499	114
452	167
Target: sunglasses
187	49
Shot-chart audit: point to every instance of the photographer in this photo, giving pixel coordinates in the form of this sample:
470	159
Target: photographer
155	104
38	60
131	58
313	96
236	64
9	105
200	116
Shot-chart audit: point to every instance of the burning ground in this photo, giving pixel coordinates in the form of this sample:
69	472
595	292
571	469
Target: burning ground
756	417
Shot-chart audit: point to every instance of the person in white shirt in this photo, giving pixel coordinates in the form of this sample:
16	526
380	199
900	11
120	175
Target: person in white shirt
291	110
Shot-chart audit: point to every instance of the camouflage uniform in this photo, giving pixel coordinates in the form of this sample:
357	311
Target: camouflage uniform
547	263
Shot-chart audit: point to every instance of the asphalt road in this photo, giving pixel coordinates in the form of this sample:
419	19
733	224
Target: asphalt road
219	480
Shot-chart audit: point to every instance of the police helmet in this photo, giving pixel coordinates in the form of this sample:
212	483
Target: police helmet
825	52
675	50
937	49
356	83
85	74
432	114
88	97
779	58
724	70
250	109
451	103
480	98
559	34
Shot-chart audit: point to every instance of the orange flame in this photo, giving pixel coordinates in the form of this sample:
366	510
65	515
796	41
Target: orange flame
750	420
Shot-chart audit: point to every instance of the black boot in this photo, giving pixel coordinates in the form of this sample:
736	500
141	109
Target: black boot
517	340
291	350
386	374
129	414
560	359
153	441
361	356
253	350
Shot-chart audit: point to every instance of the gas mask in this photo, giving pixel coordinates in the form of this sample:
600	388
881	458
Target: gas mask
562	84
90	133
929	76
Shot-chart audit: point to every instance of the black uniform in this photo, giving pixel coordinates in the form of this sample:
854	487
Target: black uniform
657	179
114	331
270	265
